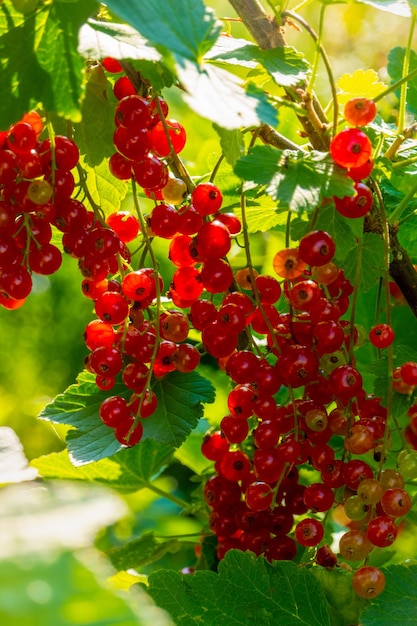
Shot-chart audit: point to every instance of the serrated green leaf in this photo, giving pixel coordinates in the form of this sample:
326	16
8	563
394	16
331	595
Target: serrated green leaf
345	606
120	41
371	256
94	135
246	591
180	399
187	28
106	190
397	604
40	62
98	40
395	69
262	216
219	96
286	66
232	143
297	180
128	471
397	7
139	552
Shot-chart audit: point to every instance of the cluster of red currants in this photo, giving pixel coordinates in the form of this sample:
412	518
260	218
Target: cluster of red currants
256	497
352	149
36	184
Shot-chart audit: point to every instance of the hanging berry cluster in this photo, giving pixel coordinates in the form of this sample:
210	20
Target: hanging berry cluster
284	335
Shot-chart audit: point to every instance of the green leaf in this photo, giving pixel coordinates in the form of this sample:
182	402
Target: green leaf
40	62
94	135
187	28
262	215
232	143
139	552
397	7
128	471
119	41
285	65
106	190
299	181
395	69
220	97
246	591
180	398
397	604
344	605
372	261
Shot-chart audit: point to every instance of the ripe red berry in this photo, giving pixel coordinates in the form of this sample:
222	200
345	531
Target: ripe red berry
381	335
351	148
355	206
360	111
309	532
368	582
177	138
317	248
206	198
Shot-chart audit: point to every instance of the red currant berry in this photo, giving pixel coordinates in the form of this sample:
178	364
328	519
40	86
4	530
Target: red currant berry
359	111
206	198
368	582
350	148
355	206
381	335
309	532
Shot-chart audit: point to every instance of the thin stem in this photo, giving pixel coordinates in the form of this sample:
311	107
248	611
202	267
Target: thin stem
398	211
390	351
165	494
317	51
175	162
405	79
322	52
155	266
406	65
355	299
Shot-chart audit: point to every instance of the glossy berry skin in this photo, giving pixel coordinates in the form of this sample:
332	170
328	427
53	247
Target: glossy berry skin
381	335
368	582
317	248
346	381
318	497
355	206
350	148
309	532
382	531
206	198
359	111
214	446
395	502
258	496
177	137
354	545
408	372
114	411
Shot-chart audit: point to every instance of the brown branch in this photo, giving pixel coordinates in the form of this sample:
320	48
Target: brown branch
268	34
402	271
